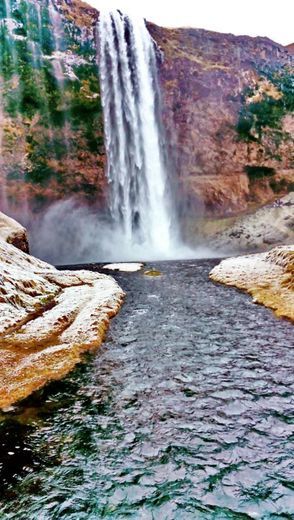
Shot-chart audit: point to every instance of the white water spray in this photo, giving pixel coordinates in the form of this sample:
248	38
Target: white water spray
139	200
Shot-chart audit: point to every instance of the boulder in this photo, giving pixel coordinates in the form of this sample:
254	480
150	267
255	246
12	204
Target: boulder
13	233
258	231
268	277
48	319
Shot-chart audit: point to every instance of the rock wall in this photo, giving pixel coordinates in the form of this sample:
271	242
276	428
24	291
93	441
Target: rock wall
227	109
51	128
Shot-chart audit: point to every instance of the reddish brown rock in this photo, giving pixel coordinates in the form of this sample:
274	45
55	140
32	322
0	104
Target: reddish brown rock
290	48
205	77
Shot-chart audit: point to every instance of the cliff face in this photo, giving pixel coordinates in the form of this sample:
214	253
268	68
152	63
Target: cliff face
227	101
228	105
51	129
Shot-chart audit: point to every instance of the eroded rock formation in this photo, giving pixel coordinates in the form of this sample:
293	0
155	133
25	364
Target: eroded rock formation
48	319
253	232
268	277
13	233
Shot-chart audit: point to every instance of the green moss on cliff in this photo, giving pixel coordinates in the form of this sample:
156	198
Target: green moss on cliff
51	94
267	109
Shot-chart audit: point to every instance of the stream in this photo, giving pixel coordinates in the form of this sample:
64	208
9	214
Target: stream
185	412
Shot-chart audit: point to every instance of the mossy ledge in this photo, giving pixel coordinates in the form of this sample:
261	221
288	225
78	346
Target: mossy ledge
267	277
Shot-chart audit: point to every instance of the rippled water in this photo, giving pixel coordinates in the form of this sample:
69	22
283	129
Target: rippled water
186	412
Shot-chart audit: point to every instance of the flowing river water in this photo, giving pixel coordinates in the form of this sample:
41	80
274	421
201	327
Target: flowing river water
185	412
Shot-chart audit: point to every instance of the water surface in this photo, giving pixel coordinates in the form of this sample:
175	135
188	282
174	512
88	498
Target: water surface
186	412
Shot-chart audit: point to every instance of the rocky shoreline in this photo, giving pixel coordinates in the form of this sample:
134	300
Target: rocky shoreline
267	277
257	231
48	318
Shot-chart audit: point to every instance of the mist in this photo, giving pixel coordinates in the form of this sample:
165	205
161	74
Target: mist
70	234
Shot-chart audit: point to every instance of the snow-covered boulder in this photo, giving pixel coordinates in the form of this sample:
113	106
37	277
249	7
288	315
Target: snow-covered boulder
268	277
13	233
48	319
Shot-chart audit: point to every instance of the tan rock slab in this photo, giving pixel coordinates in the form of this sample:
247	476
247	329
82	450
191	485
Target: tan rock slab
48	319
267	277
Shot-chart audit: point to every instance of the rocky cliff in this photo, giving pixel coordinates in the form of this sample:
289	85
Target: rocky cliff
227	109
51	130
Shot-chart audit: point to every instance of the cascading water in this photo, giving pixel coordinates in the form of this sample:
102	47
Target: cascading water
8	40
136	170
58	57
58	36
50	121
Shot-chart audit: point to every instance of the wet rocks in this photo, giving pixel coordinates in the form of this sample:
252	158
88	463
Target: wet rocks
267	277
48	319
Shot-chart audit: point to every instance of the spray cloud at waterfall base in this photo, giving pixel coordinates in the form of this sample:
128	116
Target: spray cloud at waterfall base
71	234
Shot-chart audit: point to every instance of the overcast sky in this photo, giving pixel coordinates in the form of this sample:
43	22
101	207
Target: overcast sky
271	18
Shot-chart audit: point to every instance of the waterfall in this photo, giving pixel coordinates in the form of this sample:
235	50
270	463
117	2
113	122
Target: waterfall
58	38
136	170
58	61
8	42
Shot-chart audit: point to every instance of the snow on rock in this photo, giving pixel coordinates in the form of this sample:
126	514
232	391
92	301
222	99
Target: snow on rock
13	233
261	230
268	277
48	318
125	267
